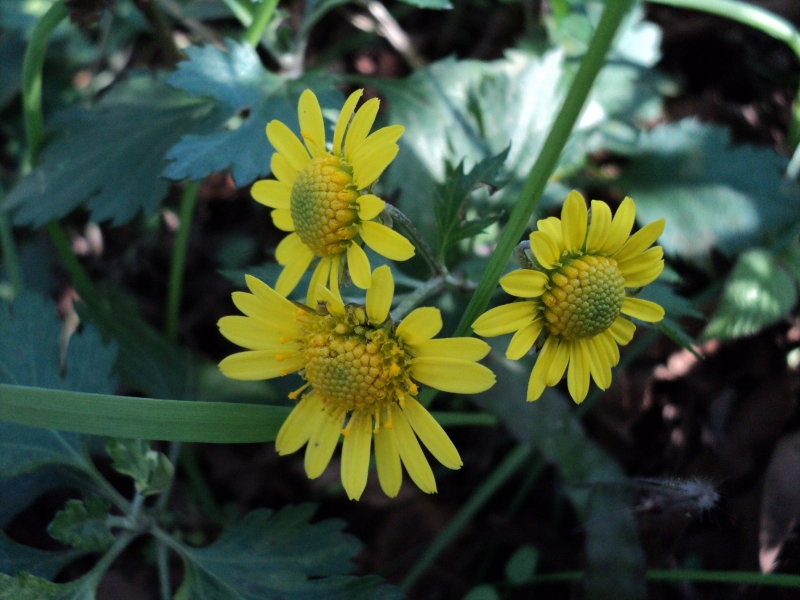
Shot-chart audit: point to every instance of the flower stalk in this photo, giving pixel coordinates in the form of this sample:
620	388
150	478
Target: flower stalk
175	292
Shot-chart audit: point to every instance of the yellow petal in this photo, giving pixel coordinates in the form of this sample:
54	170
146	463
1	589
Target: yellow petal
524	339
538	378
410	452
312	126
573	221
431	434
578	372
344	120
278	306
385	136
452	374
640	241
286	142
599	366
609	347
380	294
559	364
283	172
282	218
505	319
355	455
334	278
524	283
292	273
644	310
322	444
258	364
254	334
600	226
622	330
552	227
318	279
358	264
290	249
263	315
420	325
269	192
368	170
641	262
333	301
621	227
359	128
369	207
461	347
645	276
385	241
299	425
544	249
387	459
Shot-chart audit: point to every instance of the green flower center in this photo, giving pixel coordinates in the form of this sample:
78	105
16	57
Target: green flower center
323	205
353	365
585	297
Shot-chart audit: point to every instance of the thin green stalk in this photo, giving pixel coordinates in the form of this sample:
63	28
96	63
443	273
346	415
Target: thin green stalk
242	10
417	239
10	258
32	67
162	560
430	287
730	577
546	163
179	248
261	19
110	556
501	474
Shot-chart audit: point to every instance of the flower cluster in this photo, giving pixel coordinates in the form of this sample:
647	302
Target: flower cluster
361	368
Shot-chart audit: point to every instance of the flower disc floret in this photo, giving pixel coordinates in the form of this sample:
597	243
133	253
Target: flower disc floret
361	373
577	293
585	297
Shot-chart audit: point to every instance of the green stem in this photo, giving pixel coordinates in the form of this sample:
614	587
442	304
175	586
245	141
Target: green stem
158	21
32	67
10	258
261	19
579	90
162	559
110	556
242	10
501	474
456	419
430	287
731	577
417	239
179	248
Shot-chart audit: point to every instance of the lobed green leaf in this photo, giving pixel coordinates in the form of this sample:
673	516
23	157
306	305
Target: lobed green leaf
82	524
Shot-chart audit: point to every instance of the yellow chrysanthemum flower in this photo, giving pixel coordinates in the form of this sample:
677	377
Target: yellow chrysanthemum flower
322	197
576	295
361	370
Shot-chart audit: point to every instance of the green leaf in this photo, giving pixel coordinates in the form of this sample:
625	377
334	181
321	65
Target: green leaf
522	565
712	194
757	293
29	587
674	305
483	592
16	557
450	198
431	4
151	471
108	158
247	97
596	484
82	524
270	555
12	48
29	356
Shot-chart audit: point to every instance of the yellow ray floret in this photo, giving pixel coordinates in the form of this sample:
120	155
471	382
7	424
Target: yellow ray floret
362	372
577	294
321	197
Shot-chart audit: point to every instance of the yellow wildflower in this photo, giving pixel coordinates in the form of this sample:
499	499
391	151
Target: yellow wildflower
575	296
322	196
361	370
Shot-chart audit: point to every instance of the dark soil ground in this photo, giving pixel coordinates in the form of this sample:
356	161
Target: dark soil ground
668	415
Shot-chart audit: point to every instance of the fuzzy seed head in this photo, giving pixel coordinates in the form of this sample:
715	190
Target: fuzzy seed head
353	365
323	205
585	297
